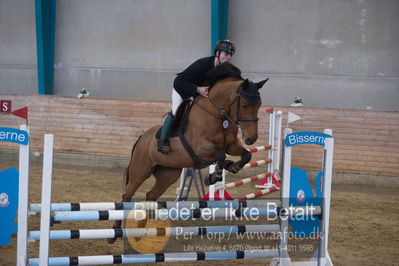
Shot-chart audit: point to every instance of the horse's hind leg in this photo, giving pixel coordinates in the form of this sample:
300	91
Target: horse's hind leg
136	175
165	177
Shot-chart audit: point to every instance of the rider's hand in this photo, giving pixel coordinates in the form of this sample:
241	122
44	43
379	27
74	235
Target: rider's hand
203	91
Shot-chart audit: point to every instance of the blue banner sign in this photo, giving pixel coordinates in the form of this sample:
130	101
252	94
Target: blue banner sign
14	135
8	204
298	138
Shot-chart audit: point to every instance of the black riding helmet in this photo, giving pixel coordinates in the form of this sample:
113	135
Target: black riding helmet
225	46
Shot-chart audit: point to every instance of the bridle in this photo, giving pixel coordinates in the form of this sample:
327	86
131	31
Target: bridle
224	115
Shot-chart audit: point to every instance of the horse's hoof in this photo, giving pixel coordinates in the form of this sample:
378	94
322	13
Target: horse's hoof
111	240
212	179
228	165
235	170
209	180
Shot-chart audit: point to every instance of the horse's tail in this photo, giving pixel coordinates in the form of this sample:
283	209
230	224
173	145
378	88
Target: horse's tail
126	173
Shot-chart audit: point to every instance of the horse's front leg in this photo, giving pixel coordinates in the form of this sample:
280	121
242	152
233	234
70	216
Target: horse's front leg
234	167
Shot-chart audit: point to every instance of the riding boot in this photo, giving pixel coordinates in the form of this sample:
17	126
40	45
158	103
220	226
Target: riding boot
163	142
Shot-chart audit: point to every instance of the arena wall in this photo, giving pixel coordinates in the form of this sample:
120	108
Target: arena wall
365	140
331	53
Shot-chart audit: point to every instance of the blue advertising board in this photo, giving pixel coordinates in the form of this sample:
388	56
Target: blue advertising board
14	135
306	137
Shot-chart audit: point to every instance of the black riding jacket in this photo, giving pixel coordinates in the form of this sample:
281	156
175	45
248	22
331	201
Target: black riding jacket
194	76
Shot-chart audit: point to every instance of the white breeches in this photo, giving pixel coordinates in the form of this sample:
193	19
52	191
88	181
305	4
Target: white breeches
176	101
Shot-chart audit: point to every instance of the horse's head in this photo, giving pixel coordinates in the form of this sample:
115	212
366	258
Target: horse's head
240	105
246	108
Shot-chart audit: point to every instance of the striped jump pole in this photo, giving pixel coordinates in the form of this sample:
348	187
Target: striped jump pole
163	214
260	148
257	163
153	232
160	257
258	194
247	180
272	210
91	206
150	205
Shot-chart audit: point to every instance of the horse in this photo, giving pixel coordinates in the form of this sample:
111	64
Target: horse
211	132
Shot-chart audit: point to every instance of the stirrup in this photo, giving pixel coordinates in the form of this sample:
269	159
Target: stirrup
163	146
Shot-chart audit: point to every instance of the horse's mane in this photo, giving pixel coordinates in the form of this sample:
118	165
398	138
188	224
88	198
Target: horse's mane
224	70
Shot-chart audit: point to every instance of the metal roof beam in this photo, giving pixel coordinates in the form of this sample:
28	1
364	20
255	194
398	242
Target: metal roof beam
45	35
219	21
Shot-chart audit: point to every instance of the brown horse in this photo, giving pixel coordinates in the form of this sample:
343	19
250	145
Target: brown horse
211	133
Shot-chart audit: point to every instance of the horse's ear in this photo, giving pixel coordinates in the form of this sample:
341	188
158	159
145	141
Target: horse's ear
261	83
245	84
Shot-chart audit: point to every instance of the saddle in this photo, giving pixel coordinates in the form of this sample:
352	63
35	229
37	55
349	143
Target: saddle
180	120
178	130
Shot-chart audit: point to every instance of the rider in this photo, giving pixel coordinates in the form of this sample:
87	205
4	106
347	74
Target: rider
189	83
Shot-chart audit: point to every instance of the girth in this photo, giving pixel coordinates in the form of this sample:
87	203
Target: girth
198	162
